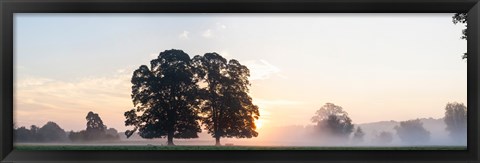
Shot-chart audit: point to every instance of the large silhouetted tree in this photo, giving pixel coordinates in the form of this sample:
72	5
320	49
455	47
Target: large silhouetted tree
227	107
165	97
462	19
332	120
456	120
412	132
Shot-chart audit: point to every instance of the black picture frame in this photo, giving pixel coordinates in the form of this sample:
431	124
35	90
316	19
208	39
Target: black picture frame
9	7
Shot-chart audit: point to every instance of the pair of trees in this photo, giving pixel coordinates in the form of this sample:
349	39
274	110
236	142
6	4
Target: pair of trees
170	102
50	132
95	130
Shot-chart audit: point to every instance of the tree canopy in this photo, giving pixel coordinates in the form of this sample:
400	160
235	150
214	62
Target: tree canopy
50	132
165	97
227	108
461	18
95	130
412	132
456	120
333	120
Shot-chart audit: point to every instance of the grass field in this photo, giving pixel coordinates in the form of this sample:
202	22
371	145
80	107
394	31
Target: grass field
144	147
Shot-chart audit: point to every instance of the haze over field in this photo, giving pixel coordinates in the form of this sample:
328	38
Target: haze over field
377	67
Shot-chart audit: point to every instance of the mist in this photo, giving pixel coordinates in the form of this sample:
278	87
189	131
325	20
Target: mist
293	135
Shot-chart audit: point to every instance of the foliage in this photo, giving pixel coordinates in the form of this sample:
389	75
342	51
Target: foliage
412	132
456	120
227	108
95	130
462	19
95	126
332	120
165	96
50	132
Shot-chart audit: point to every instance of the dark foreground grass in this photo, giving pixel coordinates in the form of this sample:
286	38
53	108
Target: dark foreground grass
145	147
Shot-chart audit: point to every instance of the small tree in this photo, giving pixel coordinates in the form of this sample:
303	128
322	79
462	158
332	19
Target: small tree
412	132
112	133
95	127
330	119
358	136
383	138
456	120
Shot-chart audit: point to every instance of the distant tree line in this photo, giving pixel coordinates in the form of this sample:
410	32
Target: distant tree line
332	123
52	132
177	94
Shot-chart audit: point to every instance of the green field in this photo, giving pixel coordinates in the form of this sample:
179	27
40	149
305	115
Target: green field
143	147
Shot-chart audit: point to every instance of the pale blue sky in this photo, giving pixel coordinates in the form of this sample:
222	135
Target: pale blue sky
377	66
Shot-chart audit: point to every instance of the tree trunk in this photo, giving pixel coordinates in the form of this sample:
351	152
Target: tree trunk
217	141
170	139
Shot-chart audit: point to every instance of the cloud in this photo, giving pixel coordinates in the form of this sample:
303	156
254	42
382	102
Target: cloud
208	33
184	35
221	26
261	70
38	99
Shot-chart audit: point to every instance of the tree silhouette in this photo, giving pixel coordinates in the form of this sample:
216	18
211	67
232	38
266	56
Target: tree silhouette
456	120
95	126
23	134
227	108
358	135
95	130
330	119
412	132
462	19
165	96
51	132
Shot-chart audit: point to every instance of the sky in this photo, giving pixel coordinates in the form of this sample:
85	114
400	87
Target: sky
378	67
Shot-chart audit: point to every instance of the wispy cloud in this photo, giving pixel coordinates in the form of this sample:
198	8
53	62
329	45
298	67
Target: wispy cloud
38	99
261	70
208	33
221	26
184	35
